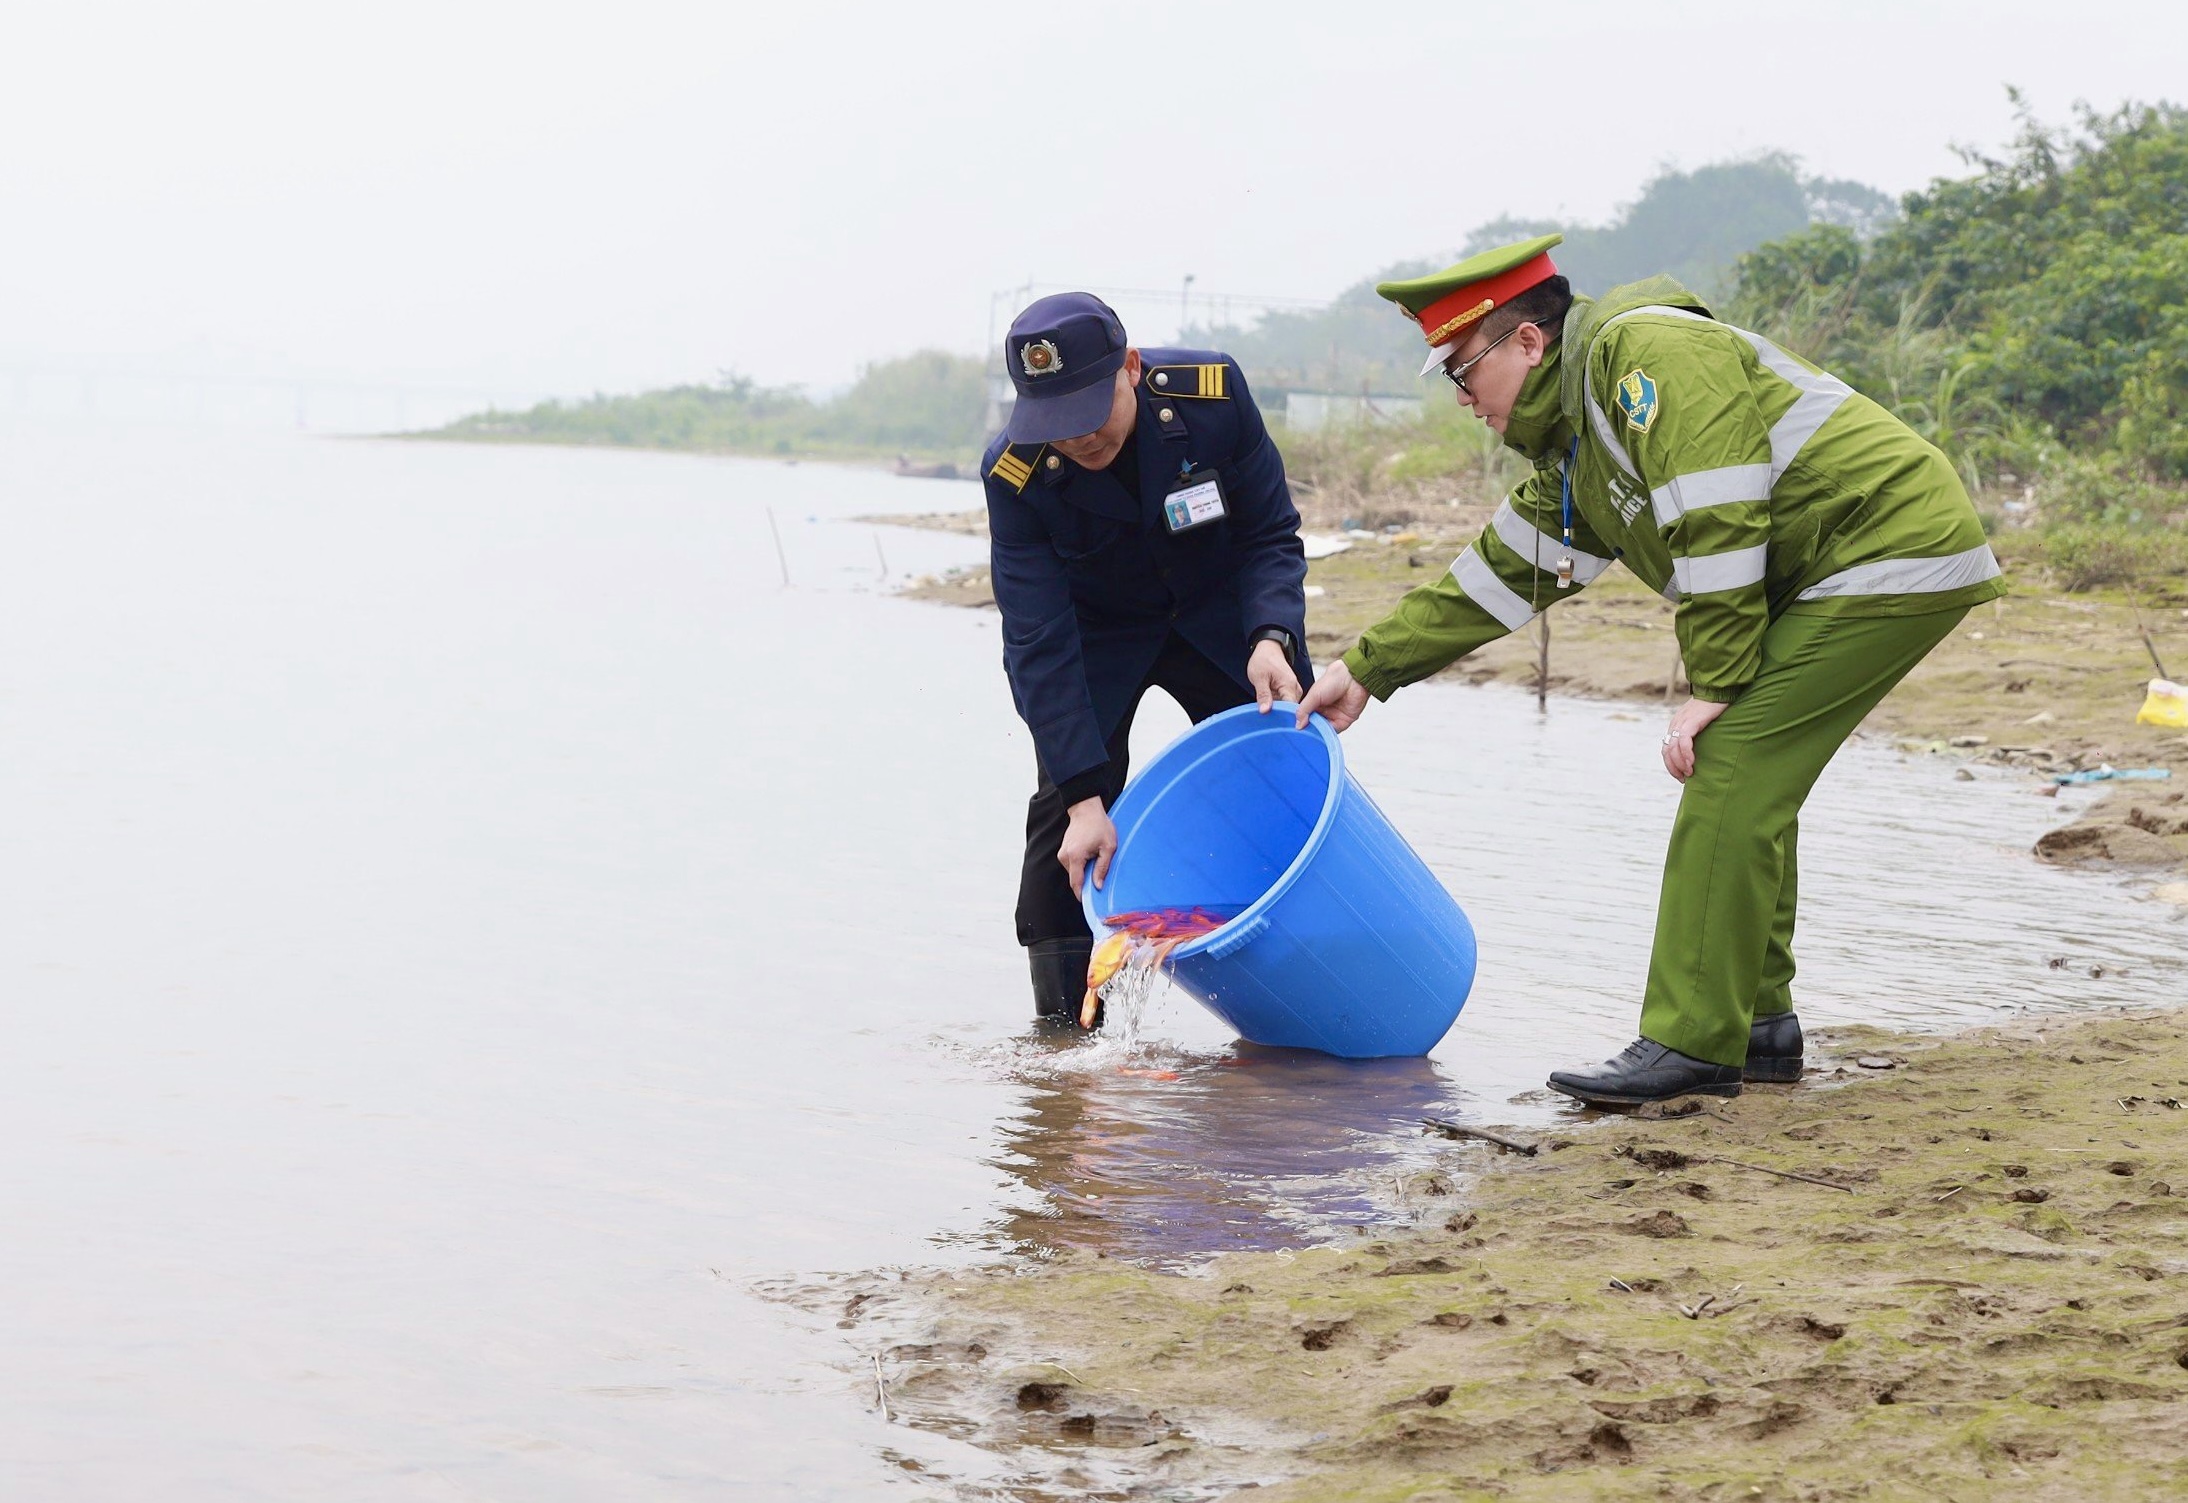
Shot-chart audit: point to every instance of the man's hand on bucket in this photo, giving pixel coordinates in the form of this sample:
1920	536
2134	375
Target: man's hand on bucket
1336	696
1090	837
1269	670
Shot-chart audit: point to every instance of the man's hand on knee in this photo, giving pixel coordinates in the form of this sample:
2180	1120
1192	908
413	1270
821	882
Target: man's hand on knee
1090	837
1693	718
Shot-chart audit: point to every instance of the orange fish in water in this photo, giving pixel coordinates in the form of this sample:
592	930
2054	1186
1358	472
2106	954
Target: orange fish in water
1169	923
1109	958
1107	962
1170	927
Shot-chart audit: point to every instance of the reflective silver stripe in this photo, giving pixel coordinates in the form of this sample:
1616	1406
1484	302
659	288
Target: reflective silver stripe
1734	483
1721	571
1670	591
1489	592
1909	576
1817	394
1820	394
1605	434
1539	548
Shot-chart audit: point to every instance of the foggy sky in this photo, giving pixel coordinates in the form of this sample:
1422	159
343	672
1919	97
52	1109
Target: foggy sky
556	198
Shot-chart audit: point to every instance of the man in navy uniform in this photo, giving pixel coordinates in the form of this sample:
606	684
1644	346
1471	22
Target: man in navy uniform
1142	537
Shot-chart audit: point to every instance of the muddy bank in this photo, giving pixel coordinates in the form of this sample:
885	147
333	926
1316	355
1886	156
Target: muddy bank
2041	681
2142	825
1968	1272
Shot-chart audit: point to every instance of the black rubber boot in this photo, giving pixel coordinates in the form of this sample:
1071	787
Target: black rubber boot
1647	1071
1059	976
1773	1049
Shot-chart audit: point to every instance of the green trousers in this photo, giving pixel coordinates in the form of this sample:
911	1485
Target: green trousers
1724	928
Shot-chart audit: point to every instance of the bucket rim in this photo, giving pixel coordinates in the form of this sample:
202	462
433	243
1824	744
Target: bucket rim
1316	837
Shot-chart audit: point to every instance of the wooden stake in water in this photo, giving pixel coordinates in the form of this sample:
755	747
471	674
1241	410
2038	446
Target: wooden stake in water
1542	666
2147	645
881	555
780	557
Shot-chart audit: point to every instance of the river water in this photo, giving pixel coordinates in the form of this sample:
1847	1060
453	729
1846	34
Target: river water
473	937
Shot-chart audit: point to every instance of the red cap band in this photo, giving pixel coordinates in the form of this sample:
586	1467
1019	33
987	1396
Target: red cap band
1455	310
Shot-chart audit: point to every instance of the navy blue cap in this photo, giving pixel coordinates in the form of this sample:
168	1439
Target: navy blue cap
1063	352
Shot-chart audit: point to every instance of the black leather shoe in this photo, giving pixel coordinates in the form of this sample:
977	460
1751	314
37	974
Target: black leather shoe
1773	1049
1059	976
1647	1071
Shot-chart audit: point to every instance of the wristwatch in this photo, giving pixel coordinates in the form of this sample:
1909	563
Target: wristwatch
1279	636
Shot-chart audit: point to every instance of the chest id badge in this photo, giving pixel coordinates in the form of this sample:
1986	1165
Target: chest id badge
1195	501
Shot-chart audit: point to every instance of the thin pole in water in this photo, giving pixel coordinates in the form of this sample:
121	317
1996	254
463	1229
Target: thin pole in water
881	555
1542	667
780	557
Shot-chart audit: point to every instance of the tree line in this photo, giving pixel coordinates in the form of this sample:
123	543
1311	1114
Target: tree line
2031	320
2029	317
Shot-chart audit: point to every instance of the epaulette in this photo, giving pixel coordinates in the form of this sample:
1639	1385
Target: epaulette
1191	381
1014	466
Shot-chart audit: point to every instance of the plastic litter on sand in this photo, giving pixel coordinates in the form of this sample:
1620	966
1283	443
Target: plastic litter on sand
2114	775
2165	704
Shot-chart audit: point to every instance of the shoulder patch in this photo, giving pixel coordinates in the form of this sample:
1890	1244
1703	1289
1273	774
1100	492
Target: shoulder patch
1637	399
1014	466
1190	381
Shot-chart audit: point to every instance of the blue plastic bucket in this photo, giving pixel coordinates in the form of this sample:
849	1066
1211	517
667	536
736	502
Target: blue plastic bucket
1343	940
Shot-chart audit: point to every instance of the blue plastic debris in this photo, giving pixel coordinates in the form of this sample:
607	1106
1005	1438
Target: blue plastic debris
2114	775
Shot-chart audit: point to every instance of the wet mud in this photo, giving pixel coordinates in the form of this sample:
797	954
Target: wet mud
1937	1268
2135	827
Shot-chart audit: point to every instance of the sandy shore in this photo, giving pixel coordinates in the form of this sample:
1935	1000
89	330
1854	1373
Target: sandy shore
1963	1274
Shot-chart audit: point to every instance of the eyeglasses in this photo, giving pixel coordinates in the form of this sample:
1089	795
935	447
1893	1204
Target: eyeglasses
1457	373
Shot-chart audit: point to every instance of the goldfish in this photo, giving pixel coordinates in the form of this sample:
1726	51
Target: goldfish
1167	928
1169	923
1108	959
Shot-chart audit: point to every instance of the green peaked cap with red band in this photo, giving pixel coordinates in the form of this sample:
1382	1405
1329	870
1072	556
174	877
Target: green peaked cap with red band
1446	303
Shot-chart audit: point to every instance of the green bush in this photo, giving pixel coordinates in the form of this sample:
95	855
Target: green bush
2049	290
2083	489
2153	405
2083	556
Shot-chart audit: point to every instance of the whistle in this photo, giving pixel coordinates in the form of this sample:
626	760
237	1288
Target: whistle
1565	572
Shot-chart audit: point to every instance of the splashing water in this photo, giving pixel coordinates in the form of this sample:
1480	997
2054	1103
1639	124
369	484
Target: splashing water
1121	976
1123	998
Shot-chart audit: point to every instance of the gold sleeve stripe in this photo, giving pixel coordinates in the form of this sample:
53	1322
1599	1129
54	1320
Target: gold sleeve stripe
1211	380
1012	471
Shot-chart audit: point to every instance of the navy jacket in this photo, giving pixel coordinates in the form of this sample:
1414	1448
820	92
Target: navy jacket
1091	581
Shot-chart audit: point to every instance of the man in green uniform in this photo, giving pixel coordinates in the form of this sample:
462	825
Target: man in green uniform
1815	547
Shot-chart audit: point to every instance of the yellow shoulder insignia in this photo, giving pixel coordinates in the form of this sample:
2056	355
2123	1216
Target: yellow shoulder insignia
1014	468
1191	381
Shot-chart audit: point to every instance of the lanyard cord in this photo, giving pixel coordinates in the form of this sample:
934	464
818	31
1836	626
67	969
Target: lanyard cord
1565	503
1572	457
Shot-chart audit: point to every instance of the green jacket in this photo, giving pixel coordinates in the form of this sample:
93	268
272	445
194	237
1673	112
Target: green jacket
1735	479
